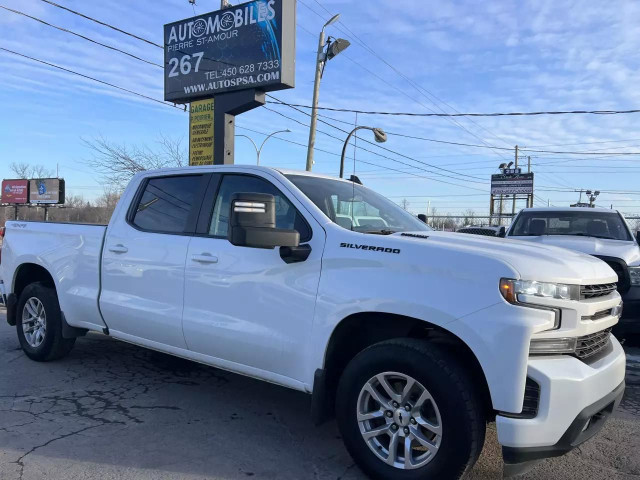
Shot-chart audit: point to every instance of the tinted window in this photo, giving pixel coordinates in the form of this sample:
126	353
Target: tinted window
287	216
166	203
577	223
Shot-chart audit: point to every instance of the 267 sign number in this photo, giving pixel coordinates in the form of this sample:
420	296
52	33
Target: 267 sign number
185	64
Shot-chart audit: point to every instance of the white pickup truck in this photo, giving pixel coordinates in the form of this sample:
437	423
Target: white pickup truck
414	339
600	232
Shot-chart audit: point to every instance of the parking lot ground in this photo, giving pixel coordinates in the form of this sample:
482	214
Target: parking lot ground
111	410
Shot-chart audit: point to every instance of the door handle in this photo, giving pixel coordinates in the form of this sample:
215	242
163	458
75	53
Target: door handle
119	248
204	258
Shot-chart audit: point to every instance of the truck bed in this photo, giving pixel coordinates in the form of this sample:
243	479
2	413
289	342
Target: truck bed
70	252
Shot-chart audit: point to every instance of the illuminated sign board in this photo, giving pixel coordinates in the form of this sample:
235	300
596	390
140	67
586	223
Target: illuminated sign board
250	45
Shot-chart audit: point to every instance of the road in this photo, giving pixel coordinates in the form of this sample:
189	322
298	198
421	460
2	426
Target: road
116	411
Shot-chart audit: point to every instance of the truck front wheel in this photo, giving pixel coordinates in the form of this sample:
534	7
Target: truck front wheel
39	324
407	409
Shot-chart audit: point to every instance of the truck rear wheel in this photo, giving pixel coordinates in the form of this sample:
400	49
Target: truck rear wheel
39	324
408	410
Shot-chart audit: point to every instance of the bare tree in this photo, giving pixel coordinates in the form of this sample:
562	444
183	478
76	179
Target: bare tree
404	204
25	170
469	217
117	163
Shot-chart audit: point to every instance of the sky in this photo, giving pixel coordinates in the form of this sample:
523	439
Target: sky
420	56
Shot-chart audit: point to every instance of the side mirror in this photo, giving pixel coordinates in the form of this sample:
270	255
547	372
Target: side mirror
252	223
638	237
502	232
423	217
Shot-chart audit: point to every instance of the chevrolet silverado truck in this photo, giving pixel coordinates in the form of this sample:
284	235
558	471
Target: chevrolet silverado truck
412	339
600	232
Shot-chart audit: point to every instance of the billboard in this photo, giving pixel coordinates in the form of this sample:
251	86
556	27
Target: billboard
46	190
251	45
15	191
201	132
512	184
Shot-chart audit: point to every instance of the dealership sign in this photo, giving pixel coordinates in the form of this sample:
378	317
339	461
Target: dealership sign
251	45
15	191
46	190
512	184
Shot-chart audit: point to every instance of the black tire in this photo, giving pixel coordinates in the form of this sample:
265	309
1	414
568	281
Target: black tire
453	391
54	345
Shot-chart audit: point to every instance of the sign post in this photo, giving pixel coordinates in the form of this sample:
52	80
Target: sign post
232	56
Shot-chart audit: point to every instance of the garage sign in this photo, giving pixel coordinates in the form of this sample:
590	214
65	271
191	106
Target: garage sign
251	45
201	132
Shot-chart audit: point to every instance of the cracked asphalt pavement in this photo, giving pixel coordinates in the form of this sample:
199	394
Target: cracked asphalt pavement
111	410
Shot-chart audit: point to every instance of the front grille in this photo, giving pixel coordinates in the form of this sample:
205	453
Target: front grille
593	291
590	345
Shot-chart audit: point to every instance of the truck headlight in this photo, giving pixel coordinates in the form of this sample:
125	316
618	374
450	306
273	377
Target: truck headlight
510	289
634	276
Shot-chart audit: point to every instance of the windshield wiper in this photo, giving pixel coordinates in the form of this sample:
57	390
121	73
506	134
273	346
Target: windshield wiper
380	232
594	236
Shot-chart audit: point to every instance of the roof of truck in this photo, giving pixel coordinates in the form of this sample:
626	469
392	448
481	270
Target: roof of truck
568	209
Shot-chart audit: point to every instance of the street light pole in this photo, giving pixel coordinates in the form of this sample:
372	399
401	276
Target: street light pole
321	58
379	134
259	150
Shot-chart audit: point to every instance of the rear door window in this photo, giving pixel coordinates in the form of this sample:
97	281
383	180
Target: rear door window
166	203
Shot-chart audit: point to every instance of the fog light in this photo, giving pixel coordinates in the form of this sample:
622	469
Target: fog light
550	346
616	311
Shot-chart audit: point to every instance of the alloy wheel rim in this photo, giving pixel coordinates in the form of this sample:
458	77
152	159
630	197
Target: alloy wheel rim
34	322
399	420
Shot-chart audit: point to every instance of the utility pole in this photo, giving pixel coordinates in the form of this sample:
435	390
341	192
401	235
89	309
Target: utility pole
333	49
513	207
529	197
314	110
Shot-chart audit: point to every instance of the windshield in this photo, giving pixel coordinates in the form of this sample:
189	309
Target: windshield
579	223
355	207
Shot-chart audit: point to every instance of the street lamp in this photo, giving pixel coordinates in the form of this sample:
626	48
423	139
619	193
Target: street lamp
378	134
259	150
334	47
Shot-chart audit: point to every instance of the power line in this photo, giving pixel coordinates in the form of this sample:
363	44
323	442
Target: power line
89	78
81	36
473	114
148	41
367	162
580	153
421	90
104	24
585	143
381	147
